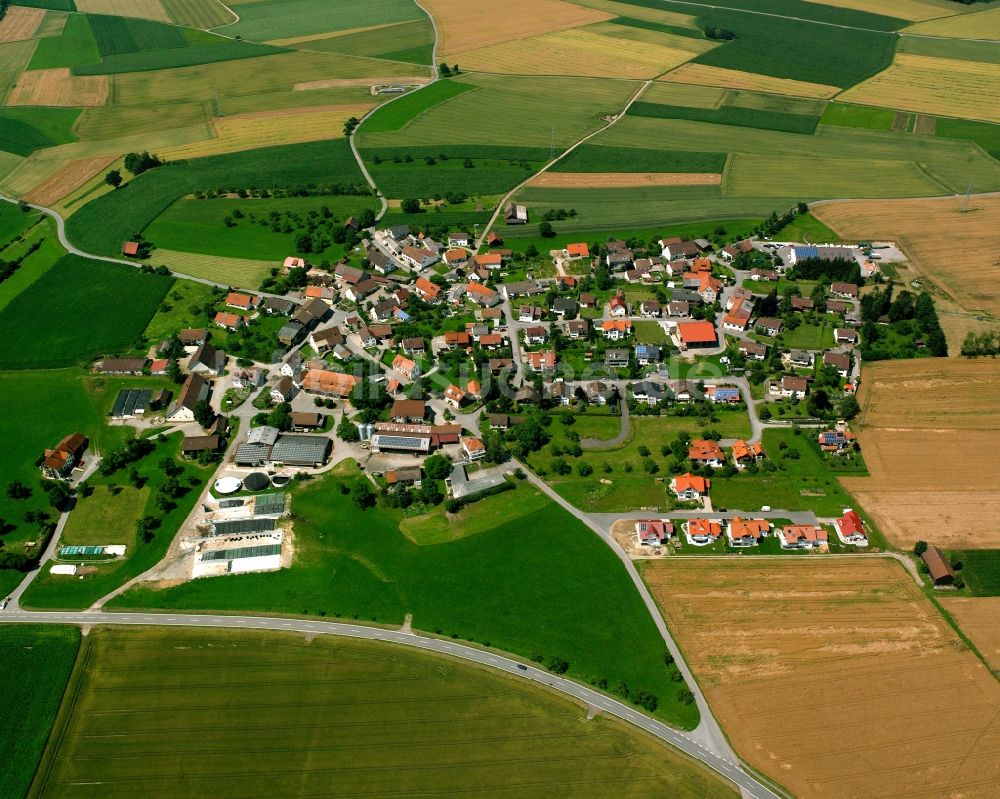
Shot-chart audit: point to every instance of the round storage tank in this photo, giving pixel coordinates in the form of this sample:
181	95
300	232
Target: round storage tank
255	481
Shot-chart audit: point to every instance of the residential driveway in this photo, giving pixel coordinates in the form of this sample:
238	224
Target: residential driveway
617	441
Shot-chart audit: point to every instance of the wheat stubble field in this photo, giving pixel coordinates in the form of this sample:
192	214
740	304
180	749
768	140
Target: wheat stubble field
835	678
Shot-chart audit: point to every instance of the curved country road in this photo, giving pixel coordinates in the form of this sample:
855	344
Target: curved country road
726	768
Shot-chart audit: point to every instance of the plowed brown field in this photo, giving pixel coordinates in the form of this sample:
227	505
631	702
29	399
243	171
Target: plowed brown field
930	433
836	678
67	179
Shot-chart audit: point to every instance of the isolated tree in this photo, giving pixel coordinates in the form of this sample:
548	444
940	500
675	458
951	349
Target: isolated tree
18	490
362	495
113	178
919	548
437	467
410	205
546	230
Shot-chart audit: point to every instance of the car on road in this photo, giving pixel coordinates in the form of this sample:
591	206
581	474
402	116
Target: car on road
765	508
5	603
522	667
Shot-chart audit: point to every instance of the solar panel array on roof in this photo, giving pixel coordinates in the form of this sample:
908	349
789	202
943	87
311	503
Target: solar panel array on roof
131	401
235	526
402	442
269	503
259	551
231	503
252	454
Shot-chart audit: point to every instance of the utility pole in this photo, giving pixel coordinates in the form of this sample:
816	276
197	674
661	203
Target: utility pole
552	142
965	200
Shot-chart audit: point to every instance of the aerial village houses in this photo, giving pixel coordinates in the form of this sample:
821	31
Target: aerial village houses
703	452
653	532
850	528
701	532
746	532
690	486
801	536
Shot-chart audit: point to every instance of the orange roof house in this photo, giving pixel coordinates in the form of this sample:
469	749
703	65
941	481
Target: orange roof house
746	532
690	486
237	299
696	334
699	265
229	321
744	453
490	260
703	451
801	536
540	361
577	250
703	531
130	248
406	367
473	387
428	291
454	395
323	381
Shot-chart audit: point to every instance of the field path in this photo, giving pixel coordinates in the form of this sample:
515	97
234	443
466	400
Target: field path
554	161
725	766
435	76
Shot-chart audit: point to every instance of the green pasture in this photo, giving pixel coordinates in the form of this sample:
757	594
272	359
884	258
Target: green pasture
35	665
281	19
106	517
506	585
24	130
103	224
111	306
858	116
985	134
198	13
399	113
33	265
738	116
183	307
519	239
404	41
198	226
980	570
74	47
354	717
581	103
473	170
599	158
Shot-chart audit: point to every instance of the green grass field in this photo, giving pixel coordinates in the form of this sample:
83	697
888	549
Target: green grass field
57	591
198	226
75	47
35	664
519	239
280	19
177	56
809	337
506	585
354	718
764	119
399	113
405	41
103	224
619	480
597	158
106	517
858	116
984	134
13	222
825	54
33	265
642	208
980	570
24	130
182	307
440	170
811	166
799	484
107	307
28	425
117	35
581	102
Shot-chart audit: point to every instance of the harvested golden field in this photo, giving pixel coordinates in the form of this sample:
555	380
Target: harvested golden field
266	128
59	88
920	421
67	179
927	229
945	86
20	23
231	271
700	74
578	52
462	28
327	35
977	616
146	9
651	14
983	24
915	10
623	180
837	678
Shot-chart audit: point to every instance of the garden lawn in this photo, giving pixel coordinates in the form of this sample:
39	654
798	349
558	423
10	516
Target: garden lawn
183	307
37	410
191	225
650	333
799	484
619	480
35	664
508	585
104	223
106	517
78	310
808	337
57	591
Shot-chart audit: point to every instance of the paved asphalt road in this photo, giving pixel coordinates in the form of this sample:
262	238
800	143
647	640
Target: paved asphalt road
727	768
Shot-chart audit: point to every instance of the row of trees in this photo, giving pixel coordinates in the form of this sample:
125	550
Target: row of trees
987	343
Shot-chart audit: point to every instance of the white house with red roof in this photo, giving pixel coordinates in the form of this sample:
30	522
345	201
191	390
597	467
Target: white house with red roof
690	486
473	448
702	532
653	532
851	529
746	532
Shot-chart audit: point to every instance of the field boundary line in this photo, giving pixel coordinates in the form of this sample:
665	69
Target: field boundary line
61	724
503	200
